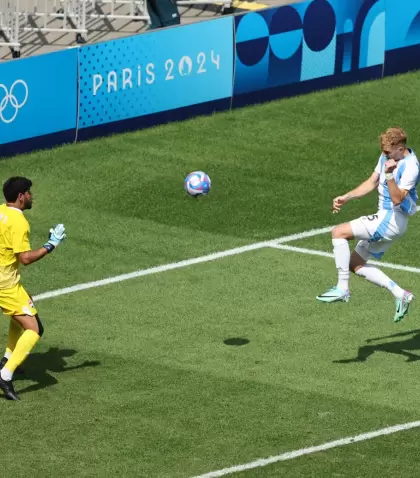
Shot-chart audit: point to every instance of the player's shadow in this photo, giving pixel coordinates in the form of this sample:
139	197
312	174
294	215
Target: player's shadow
37	367
399	347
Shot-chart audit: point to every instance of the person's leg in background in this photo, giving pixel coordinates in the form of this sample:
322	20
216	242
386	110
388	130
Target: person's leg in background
155	22
163	13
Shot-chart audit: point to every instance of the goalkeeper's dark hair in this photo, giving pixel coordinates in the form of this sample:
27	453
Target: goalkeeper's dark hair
15	186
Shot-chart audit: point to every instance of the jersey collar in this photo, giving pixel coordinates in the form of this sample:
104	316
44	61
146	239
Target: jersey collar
15	208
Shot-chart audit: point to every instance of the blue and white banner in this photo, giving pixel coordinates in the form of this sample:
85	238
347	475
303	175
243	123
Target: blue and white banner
156	72
38	96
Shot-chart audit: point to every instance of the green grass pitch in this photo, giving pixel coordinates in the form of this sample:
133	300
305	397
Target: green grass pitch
134	379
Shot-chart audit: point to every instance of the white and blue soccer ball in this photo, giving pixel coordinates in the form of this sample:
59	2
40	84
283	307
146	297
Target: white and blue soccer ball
197	183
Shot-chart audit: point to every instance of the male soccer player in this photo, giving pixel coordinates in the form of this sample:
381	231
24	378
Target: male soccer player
25	327
395	176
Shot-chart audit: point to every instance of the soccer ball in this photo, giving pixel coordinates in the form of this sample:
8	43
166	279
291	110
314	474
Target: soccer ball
197	183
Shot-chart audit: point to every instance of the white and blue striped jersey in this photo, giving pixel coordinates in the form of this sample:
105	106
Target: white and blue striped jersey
406	175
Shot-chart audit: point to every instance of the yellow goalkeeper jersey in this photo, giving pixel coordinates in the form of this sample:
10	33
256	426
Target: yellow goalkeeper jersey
14	238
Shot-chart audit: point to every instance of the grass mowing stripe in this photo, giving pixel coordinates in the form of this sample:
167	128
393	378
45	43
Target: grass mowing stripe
313	252
290	455
177	265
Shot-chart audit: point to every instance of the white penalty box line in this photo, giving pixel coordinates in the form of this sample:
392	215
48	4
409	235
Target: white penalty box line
279	243
179	265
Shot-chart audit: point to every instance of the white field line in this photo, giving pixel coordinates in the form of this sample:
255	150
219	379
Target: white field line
310	450
276	243
178	265
302	235
313	252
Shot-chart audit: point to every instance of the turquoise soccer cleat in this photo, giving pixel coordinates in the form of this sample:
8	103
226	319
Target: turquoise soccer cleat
402	305
334	295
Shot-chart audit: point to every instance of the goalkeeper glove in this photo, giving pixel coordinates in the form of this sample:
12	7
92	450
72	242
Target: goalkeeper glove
55	238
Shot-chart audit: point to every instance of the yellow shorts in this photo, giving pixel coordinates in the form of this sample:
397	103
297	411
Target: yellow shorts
16	301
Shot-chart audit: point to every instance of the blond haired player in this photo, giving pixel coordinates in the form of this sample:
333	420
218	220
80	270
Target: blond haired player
25	328
395	177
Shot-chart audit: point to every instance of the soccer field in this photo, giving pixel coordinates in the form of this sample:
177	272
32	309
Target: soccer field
133	376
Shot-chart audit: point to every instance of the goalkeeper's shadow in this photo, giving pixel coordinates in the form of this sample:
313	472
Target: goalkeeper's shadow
39	368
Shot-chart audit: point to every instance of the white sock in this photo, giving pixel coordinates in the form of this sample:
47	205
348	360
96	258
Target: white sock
342	262
376	276
7	355
6	374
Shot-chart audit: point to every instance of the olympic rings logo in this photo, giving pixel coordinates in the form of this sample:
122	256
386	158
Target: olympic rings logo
10	98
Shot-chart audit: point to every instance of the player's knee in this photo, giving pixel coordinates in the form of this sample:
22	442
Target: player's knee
343	231
337	232
40	326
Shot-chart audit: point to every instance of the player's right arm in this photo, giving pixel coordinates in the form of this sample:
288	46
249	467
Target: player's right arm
362	190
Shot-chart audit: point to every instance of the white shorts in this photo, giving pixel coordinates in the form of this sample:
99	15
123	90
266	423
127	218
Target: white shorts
377	232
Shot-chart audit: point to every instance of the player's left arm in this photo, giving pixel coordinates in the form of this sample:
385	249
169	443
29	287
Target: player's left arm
399	192
29	257
21	244
22	248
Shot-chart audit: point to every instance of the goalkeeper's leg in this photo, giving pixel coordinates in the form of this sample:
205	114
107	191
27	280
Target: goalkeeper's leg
15	331
33	331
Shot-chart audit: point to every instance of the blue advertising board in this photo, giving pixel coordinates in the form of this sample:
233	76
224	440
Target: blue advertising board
38	96
402	36
403	24
326	42
155	72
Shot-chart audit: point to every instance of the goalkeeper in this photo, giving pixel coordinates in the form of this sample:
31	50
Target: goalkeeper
25	328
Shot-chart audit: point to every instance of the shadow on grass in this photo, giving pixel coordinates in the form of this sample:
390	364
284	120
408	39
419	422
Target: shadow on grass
37	367
398	347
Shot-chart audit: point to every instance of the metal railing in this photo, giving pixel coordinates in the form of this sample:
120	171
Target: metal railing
61	16
137	9
69	16
9	25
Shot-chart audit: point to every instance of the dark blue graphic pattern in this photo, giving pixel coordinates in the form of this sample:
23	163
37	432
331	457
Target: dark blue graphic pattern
308	41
